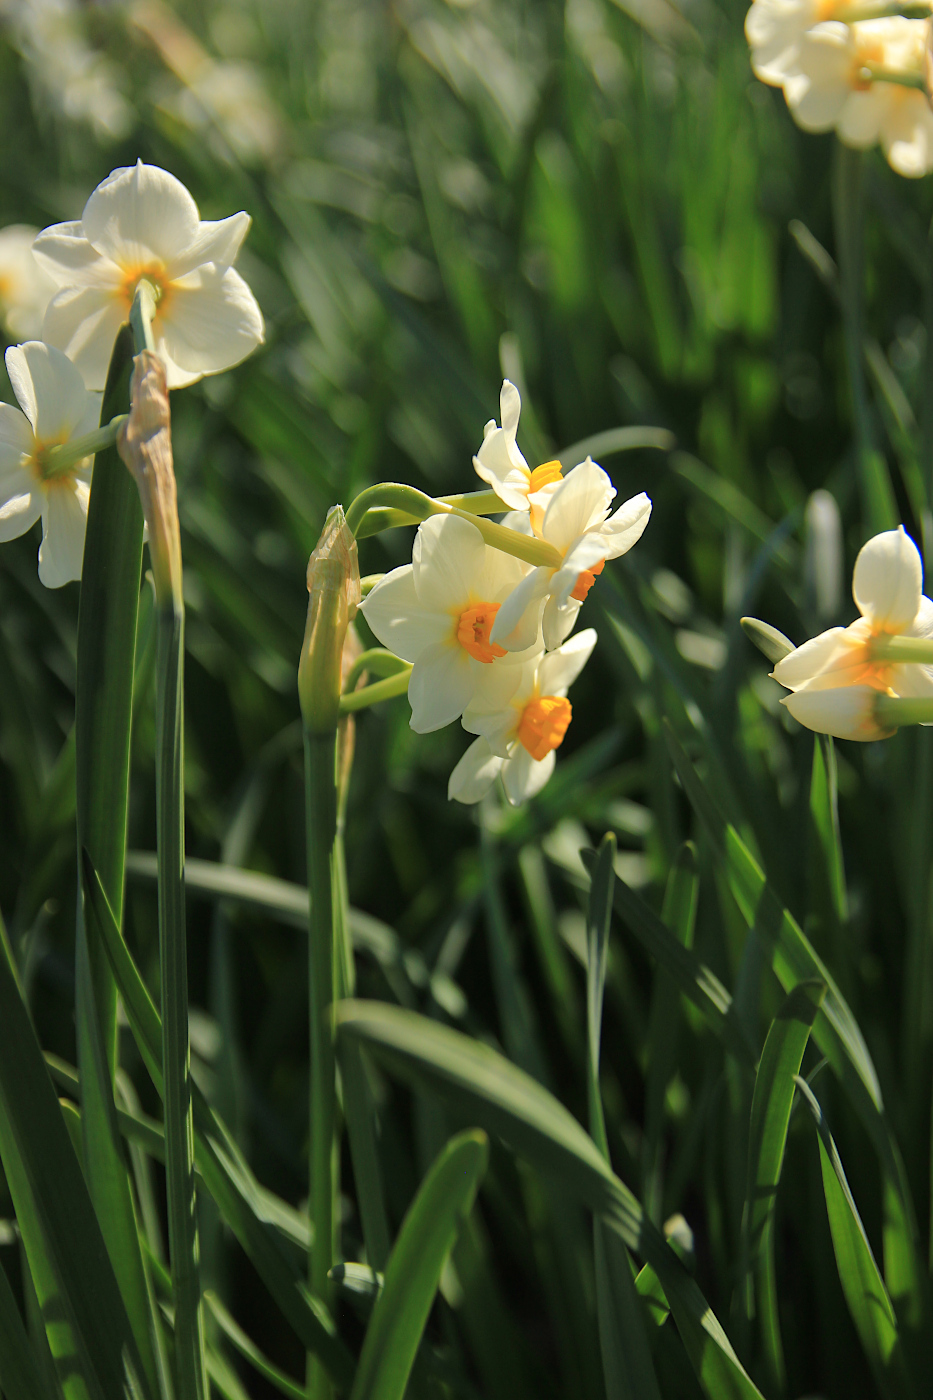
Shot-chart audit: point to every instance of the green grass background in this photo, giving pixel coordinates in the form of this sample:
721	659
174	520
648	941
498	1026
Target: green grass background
592	198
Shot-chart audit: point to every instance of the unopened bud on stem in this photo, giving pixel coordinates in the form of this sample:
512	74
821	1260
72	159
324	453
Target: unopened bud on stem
334	589
145	444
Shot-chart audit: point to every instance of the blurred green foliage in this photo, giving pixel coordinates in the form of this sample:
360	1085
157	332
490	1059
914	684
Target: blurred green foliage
592	198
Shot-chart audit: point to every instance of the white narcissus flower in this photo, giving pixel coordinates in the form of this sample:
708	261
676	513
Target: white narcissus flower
577	522
834	677
520	726
829	86
438	612
56	407
25	289
500	463
775	28
141	223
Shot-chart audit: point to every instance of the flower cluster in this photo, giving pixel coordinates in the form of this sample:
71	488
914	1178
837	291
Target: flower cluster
862	78
140	224
486	632
837	678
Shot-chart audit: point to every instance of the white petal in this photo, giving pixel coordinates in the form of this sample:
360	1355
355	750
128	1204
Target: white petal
580	503
582	555
83	322
64	523
398	619
440	687
493	464
912	681
64	252
811	659
16	438
907	132
524	776
887	581
559	620
522	607
510	407
208	322
475	774
559	669
216	241
141	214
50	390
447	558
846	713
922	625
861	118
626	525
21	505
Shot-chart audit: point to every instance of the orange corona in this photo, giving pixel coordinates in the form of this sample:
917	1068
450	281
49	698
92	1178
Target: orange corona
473	628
586	580
543	724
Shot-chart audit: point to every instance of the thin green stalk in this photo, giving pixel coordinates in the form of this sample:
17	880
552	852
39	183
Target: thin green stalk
321	826
902	649
879	506
892	711
372	694
176	1054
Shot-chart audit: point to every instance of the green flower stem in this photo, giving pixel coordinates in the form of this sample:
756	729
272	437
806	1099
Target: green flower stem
881	10
190	1356
372	694
893	711
63	458
321	828
879	507
397	504
893	75
378	660
901	649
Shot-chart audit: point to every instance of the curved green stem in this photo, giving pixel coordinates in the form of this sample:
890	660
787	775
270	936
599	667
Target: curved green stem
372	694
893	711
65	456
397	504
384	663
902	649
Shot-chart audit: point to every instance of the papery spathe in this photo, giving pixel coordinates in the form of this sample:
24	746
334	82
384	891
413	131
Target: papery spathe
141	223
54	408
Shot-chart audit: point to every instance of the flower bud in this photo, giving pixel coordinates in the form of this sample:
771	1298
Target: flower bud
334	589
145	445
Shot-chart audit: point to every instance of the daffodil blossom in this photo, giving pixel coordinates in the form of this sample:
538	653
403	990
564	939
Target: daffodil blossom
577	522
500	463
25	289
829	84
438	612
836	676
521	721
56	408
775	29
142	224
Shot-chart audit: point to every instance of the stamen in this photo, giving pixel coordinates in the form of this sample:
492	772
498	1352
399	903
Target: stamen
544	475
586	579
473	630
543	724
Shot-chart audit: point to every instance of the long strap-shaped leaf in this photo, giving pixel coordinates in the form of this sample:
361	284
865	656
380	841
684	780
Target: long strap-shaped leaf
770	1117
226	1175
836	1031
515	1107
19	1371
428	1232
627	1367
868	1300
53	1206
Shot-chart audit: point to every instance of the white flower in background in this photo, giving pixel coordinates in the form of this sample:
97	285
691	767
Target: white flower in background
834	677
577	522
141	223
75	78
56	407
520	727
438	611
826	72
775	28
500	463
25	289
